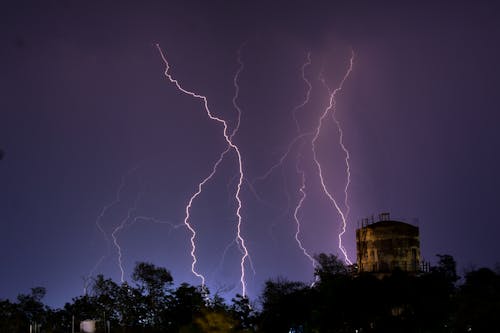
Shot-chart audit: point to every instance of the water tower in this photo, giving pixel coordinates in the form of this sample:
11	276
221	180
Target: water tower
387	245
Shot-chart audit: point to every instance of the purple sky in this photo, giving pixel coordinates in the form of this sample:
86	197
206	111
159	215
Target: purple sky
85	104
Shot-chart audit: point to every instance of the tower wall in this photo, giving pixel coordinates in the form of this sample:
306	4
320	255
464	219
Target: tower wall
388	245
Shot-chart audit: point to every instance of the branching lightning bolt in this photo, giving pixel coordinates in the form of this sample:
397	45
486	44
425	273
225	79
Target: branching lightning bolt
237	90
308	93
299	170
188	215
303	196
346	159
231	145
120	227
117	230
240	240
283	157
331	106
298	139
301	135
156	221
99	226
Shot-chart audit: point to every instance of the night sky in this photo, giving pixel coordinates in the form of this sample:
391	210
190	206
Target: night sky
87	117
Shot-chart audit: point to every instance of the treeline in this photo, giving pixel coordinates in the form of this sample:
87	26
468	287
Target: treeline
340	300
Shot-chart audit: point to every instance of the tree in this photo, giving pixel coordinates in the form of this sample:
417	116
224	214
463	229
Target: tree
11	318
215	321
366	301
243	312
447	268
131	307
285	305
83	307
58	321
329	266
105	294
332	294
31	305
151	278
187	303
479	301
154	284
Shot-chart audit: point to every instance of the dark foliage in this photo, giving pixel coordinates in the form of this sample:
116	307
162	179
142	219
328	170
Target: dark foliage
339	301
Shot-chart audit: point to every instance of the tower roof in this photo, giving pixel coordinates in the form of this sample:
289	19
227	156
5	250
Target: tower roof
389	224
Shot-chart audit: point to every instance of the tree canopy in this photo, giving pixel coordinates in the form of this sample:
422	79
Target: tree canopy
340	300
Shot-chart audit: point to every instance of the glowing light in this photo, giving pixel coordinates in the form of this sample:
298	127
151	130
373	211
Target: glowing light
330	107
231	145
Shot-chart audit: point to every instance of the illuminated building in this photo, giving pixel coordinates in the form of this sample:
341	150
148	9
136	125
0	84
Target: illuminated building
387	245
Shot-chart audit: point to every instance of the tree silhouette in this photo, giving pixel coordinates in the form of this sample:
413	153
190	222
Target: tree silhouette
340	301
479	301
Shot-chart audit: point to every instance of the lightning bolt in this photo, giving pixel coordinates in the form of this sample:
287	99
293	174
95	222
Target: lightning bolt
346	160
237	89
232	243
117	230
231	146
298	139
99	226
331	106
308	93
283	157
301	134
120	227
303	196
240	240
302	189
188	216
156	221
